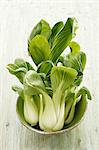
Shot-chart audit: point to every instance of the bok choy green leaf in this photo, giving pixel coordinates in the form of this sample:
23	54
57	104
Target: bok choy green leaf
19	68
63	38
39	49
41	28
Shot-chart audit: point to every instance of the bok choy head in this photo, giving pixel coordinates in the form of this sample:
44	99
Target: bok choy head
50	97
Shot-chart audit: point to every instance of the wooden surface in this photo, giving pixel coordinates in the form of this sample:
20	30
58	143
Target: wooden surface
16	21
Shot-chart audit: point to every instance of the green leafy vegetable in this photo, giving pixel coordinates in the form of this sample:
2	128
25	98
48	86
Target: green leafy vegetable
47	118
63	38
39	49
69	102
50	98
55	30
19	68
19	90
33	80
20	110
45	67
74	47
71	113
60	118
76	61
33	83
30	110
61	79
80	109
64	76
41	28
84	91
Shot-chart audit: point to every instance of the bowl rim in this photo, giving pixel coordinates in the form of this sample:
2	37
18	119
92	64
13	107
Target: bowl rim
41	132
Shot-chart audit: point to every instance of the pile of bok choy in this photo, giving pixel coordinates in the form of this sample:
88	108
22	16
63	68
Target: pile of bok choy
51	92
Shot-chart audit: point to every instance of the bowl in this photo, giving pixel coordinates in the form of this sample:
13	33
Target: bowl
80	110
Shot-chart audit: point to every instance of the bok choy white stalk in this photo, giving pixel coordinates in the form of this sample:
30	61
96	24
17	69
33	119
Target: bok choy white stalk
30	110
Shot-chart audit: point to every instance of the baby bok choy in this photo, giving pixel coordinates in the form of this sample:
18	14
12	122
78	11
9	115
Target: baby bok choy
51	97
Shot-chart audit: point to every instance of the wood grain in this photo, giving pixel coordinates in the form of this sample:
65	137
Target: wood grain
17	19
